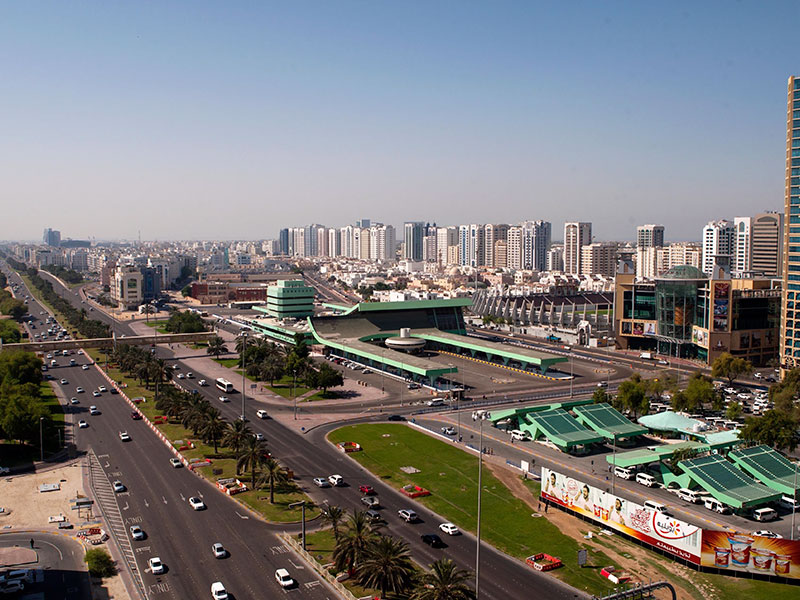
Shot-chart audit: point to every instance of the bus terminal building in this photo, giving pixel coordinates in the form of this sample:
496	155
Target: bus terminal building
396	337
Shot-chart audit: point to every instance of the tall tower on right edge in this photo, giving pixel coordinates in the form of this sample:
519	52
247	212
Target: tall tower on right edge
790	316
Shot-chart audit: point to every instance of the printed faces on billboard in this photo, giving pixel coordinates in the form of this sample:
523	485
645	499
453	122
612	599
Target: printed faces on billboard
663	531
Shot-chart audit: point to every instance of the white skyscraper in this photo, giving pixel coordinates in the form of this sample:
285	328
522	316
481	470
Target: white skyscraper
576	235
743	245
718	240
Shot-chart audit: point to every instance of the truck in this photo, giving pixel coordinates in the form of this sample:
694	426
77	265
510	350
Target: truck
553	338
646	355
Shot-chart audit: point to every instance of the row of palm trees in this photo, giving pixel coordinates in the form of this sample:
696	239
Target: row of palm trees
383	562
205	421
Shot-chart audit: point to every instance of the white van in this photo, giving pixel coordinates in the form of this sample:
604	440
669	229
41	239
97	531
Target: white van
688	495
716	506
262	414
646	479
435	402
764	514
623	473
520	436
789	503
656	506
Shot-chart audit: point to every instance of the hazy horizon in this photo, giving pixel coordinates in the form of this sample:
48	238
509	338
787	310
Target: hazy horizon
229	122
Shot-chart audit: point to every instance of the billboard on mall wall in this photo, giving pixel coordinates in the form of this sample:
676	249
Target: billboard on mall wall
746	553
612	512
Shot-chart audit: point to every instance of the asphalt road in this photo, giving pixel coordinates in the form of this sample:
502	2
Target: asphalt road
61	573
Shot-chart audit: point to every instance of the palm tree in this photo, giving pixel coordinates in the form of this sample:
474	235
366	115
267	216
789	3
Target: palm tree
242	343
271	369
216	346
354	542
271	473
252	456
386	566
445	581
334	515
236	436
213	427
194	413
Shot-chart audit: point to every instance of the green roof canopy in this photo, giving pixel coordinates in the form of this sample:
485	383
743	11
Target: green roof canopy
726	483
770	467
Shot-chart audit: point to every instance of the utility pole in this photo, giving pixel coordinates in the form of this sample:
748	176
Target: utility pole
483	417
244	358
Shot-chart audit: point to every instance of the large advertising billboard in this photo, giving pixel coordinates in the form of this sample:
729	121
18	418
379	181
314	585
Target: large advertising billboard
653	527
747	553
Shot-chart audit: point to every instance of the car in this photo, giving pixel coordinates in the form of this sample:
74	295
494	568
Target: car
156	566
321	482
79	390
85	367
197	503
93	410
336	480
72	362
73	400
224	399
80	352
449	529
366	489
12	587
408	515
64	382
218	591
96	394
123	435
366	371
757	376
448	430
789	503
137	532
176	463
136	415
731	390
661	361
433	540
413	386
202	383
102	388
768	534
118	486
219	550
262	414
181	376
283	578
396	418
190	375
49	356
373	516
82	424
370	501
259	436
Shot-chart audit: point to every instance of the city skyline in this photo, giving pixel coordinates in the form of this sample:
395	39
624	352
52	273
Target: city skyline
232	123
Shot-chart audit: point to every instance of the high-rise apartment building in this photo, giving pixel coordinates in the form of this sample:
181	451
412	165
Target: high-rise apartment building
649	236
576	236
536	239
51	237
718	240
381	242
790	317
742	245
413	231
767	244
283	241
514	247
599	258
446	238
491	234
555	258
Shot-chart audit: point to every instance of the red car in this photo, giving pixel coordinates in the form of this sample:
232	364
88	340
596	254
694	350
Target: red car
135	415
366	489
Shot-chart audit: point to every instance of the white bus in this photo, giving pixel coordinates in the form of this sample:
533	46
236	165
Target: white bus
224	385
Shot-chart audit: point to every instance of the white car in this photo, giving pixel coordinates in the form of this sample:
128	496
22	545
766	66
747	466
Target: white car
96	394
336	480
768	534
79	390
80	352
218	591
93	411
102	388
283	578
321	482
176	463
202	383
156	566
259	436
224	399
85	367
219	551
197	503
123	435
408	515
82	424
118	486
449	529
181	376
137	532
64	382
190	375
73	401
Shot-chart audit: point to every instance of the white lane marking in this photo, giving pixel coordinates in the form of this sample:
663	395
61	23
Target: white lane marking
183	498
242	516
146	503
60	555
164	499
126	507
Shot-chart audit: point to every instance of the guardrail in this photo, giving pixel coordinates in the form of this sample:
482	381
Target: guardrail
337	585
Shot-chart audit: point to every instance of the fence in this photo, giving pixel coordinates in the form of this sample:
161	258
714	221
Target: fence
337	585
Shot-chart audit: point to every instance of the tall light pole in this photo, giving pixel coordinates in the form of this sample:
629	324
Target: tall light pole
571	373
483	417
794	508
41	439
294	375
614	475
244	358
302	505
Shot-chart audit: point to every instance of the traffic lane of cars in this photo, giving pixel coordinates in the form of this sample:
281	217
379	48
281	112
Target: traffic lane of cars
322	460
180	536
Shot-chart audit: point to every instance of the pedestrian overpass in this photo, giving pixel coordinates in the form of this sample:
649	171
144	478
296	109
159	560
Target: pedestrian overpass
110	342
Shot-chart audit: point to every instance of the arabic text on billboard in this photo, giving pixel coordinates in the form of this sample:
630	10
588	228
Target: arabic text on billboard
671	535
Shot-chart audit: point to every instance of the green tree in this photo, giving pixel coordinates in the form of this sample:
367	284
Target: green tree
334	515
272	474
327	377
18	366
253	456
734	411
20	413
9	332
213	427
271	369
236	437
600	395
387	566
444	581
100	563
699	391
354	542
727	366
631	396
216	347
14	308
775	428
680	402
679	455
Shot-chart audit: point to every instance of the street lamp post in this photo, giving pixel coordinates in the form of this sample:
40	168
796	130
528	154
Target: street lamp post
244	355
614	462
571	373
41	439
302	505
483	417
294	375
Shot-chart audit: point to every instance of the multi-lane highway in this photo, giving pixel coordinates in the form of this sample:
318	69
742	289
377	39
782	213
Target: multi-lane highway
156	499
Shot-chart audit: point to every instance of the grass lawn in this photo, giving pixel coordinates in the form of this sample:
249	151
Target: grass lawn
223	464
228	363
158	325
283	387
451	475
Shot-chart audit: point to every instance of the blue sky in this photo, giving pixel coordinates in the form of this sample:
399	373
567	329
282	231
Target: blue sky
230	120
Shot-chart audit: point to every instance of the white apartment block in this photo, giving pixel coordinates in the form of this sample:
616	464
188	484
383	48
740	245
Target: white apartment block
599	258
576	235
743	243
718	239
